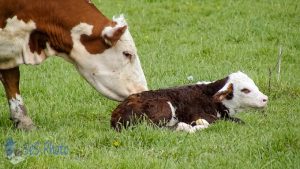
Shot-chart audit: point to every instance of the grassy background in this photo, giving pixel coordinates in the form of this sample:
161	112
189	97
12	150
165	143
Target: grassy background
207	39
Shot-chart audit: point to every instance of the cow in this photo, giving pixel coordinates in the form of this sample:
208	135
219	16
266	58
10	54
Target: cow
101	49
192	107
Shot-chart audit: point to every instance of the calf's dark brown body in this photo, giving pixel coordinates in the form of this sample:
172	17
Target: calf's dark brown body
191	102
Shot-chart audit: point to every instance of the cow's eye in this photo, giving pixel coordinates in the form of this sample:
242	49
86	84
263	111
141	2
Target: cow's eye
127	55
245	90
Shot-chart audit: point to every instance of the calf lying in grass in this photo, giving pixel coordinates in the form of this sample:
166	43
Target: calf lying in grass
193	107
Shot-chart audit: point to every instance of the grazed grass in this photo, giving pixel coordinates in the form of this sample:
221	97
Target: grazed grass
207	39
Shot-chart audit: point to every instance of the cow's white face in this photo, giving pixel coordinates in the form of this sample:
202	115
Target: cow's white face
240	92
116	72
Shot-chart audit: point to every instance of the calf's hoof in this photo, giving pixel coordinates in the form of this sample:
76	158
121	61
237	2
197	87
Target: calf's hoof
25	124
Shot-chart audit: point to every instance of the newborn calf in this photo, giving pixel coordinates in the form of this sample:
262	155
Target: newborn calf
193	107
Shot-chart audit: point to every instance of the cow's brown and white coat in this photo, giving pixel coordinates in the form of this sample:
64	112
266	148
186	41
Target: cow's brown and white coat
193	107
101	49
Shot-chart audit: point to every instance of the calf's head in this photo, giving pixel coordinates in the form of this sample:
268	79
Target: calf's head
239	93
116	72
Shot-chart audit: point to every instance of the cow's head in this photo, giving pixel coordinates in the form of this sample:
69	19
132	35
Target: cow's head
240	92
116	72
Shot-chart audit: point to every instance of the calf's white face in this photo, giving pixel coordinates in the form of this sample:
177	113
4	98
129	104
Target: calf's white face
240	92
116	72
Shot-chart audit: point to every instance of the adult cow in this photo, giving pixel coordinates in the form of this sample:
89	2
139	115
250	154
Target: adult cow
102	50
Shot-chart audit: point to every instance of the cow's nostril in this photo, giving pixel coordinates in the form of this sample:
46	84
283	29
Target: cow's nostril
265	100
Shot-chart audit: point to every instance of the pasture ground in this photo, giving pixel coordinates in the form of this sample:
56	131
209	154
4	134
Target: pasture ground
207	39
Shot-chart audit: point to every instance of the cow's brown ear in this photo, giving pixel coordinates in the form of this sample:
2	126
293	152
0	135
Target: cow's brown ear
221	95
111	35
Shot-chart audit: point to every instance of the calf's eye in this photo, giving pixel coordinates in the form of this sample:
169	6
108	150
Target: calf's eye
245	90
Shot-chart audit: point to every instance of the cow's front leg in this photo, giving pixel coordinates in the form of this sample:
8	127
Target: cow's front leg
10	79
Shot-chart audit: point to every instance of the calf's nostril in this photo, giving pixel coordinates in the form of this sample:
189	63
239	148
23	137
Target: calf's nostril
265	100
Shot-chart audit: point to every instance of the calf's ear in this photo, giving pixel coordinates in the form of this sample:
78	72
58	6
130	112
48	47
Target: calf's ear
111	35
222	94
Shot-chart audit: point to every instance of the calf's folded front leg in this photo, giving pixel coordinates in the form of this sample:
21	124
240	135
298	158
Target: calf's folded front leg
200	124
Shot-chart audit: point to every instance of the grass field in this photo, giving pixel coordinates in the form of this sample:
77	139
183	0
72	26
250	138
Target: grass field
207	39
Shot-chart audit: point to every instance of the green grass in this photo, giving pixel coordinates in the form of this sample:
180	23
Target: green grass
207	39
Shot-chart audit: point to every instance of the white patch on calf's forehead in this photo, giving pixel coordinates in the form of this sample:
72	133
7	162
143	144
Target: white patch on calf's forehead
238	79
